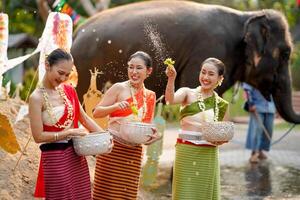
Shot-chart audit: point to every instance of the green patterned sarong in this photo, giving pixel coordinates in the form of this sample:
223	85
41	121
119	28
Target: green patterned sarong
196	173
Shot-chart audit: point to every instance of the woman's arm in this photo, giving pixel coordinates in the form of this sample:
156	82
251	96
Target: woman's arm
171	97
87	122
109	102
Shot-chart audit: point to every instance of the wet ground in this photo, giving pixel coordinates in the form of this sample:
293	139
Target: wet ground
278	177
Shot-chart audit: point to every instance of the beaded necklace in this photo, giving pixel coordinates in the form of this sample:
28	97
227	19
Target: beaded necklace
49	108
135	103
202	105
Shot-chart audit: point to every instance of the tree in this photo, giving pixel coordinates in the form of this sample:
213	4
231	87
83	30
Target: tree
23	16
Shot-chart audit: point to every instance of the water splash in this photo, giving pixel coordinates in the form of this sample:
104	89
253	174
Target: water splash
154	39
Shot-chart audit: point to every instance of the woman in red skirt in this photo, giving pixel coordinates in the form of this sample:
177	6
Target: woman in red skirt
54	113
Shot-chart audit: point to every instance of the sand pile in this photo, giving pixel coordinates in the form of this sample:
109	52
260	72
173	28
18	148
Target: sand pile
18	184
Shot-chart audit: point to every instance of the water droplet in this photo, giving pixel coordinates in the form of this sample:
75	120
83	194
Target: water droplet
34	11
94	30
197	173
83	30
109	41
155	41
120	50
97	39
194	163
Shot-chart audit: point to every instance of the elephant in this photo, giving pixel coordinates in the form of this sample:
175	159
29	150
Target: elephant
255	46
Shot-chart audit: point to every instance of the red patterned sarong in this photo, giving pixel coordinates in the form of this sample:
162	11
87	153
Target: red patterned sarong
62	173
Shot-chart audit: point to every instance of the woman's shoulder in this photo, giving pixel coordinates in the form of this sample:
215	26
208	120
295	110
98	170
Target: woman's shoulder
117	87
150	94
186	89
36	96
120	85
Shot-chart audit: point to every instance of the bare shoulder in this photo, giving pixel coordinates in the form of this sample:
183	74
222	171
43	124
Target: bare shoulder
118	86
36	97
149	91
185	90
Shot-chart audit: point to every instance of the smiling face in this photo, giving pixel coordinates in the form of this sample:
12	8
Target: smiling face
137	71
209	76
59	72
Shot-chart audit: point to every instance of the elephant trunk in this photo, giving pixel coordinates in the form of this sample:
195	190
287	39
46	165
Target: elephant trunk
282	96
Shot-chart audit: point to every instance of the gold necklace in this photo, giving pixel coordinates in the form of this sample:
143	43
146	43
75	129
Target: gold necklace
49	108
202	105
134	106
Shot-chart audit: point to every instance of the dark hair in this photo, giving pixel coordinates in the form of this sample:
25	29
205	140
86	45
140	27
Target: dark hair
216	62
144	56
58	55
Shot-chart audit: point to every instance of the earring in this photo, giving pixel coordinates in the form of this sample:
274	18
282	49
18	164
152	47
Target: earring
220	82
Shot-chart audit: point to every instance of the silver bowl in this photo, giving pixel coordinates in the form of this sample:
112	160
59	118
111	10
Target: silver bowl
218	131
93	144
136	132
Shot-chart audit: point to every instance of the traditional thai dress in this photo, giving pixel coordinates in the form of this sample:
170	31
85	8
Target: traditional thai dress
196	173
62	173
117	174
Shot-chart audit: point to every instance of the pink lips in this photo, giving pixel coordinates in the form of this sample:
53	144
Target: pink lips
134	78
205	82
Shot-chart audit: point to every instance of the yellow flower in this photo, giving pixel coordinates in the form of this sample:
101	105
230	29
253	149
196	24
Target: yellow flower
169	62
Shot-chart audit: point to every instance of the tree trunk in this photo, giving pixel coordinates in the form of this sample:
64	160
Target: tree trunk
44	9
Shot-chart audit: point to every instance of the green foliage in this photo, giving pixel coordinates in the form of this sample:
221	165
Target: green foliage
7	80
29	83
295	67
236	108
171	113
23	17
17	19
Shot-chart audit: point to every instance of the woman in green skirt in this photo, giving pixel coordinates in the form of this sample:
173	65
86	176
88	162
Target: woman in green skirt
196	170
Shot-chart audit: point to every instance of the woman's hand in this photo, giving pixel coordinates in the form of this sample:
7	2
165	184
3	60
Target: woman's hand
171	72
74	132
154	137
123	105
252	108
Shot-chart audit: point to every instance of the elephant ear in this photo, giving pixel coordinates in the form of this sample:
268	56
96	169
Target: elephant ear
256	31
